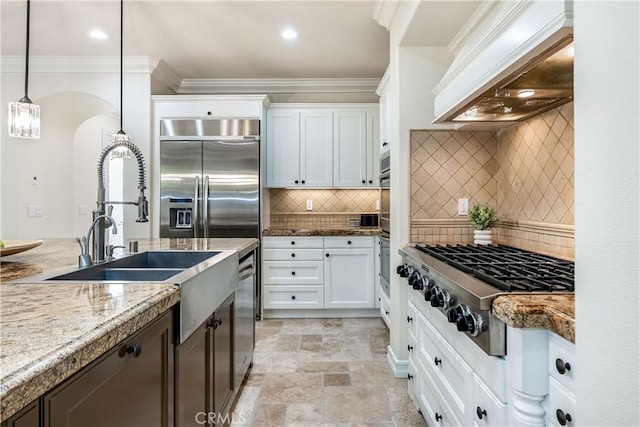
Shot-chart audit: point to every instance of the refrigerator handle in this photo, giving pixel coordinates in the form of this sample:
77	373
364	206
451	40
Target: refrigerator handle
205	208
196	208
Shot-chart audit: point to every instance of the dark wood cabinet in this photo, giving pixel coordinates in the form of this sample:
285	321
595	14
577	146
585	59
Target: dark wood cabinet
130	385
204	371
27	417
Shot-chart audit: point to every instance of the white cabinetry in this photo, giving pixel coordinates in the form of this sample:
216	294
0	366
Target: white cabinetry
348	271
299	148
355	154
561	407
384	92
322	146
318	272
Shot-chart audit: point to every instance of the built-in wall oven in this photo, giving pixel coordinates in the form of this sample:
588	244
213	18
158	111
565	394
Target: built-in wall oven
385	225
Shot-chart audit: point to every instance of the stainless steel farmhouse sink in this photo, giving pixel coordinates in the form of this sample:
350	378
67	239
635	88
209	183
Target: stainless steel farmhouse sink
119	274
162	259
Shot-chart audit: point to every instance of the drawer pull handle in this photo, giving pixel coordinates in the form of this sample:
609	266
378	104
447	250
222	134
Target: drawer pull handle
480	412
409	319
438	417
437	361
563	418
215	323
293	273
409	377
135	349
410	347
293	255
562	366
348	242
293	297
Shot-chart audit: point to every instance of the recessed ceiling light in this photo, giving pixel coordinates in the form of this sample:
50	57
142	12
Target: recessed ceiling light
98	35
526	93
289	34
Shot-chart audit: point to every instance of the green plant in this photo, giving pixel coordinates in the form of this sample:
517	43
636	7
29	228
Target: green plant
482	216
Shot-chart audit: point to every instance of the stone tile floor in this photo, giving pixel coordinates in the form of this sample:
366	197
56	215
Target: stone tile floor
323	372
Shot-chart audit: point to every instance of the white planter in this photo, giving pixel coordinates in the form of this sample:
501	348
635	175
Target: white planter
482	237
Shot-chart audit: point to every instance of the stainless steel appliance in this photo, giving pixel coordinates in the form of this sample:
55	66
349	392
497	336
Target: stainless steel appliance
209	178
245	316
461	281
385	224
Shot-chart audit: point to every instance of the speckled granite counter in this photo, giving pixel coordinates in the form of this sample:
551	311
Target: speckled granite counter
553	312
49	331
353	231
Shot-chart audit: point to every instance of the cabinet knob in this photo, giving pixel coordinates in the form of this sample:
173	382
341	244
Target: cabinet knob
364	181
409	319
293	242
293	297
386	312
409	377
480	412
562	367
327	255
348	242
135	349
293	273
370	181
438	417
293	255
302	181
563	418
296	181
384	144
437	361
215	323
410	347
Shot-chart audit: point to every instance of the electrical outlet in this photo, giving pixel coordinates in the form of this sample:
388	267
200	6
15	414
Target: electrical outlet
378	204
463	206
34	211
309	205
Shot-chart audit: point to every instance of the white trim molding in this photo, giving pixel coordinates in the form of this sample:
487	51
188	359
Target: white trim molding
75	64
279	85
399	367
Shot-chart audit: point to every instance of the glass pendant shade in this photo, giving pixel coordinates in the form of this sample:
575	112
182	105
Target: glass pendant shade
24	119
120	152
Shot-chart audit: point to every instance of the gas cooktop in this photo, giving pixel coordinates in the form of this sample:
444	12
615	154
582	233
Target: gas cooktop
506	268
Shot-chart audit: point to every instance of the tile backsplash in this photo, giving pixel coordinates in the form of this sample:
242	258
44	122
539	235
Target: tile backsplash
525	170
332	208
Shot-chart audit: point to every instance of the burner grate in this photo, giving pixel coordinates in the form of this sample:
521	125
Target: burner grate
507	268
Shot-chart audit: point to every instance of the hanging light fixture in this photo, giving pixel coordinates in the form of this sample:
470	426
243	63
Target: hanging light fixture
24	115
121	137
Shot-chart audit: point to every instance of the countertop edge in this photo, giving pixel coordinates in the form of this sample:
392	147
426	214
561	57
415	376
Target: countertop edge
19	390
552	312
355	231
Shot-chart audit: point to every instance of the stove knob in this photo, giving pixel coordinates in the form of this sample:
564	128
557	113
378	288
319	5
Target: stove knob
417	283
448	300
403	270
437	298
430	293
428	282
470	323
413	279
453	314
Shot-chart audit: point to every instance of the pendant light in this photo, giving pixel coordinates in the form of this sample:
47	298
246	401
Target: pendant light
121	136
24	115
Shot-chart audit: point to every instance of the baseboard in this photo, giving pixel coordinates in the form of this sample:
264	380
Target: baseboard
320	314
400	368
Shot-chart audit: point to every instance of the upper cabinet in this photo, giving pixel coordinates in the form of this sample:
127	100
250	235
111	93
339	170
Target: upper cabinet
385	133
322	147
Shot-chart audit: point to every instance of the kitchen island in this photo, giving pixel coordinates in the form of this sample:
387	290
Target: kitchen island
49	331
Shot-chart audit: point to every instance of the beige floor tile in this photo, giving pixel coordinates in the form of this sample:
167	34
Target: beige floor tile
374	373
336	380
291	388
297	412
320	366
405	412
356	403
265	362
269	415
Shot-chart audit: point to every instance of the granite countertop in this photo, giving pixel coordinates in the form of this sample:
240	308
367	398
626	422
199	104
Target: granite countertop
49	331
350	231
555	312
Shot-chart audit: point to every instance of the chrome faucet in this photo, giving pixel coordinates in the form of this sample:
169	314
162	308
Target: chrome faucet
100	213
84	260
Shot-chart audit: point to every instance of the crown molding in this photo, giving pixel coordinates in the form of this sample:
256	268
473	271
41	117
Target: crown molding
384	11
279	85
166	75
78	64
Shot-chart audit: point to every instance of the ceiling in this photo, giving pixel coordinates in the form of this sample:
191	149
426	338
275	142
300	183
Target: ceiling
211	39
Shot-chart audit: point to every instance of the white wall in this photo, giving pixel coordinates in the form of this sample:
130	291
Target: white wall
607	212
67	100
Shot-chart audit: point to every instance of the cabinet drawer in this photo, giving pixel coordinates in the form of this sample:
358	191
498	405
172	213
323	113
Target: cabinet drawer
293	254
562	355
452	373
429	399
293	273
562	405
487	408
282	242
412	319
385	309
346	242
277	296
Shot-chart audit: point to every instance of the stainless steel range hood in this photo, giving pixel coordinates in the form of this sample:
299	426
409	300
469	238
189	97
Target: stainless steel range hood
544	83
512	60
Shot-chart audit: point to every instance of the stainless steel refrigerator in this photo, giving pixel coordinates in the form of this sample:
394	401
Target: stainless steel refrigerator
209	178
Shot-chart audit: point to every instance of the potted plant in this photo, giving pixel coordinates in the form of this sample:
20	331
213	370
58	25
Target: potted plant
482	217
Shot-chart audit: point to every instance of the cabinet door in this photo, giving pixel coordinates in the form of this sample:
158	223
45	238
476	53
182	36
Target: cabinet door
348	278
222	355
350	148
191	378
373	149
316	148
384	120
131	385
283	148
27	417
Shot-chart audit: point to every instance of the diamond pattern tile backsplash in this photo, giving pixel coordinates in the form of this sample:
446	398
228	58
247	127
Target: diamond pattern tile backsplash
525	170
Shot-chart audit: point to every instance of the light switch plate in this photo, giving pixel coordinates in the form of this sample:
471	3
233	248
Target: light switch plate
34	211
309	205
463	206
